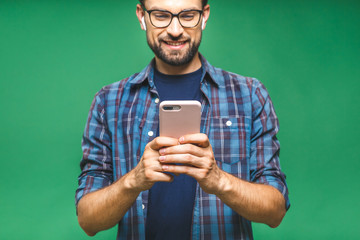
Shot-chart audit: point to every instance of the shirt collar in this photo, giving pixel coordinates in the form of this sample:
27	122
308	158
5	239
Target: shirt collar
210	73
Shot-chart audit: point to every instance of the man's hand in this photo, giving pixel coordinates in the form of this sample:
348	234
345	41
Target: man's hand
197	158
255	202
100	210
149	170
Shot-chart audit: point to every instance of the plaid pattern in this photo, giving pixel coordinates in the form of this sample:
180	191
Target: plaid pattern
238	117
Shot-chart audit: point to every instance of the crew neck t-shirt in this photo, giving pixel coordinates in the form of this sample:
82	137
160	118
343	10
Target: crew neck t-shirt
170	206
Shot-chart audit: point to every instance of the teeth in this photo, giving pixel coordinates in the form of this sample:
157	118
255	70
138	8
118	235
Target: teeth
175	43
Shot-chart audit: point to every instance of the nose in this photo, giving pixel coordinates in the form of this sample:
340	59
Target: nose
175	29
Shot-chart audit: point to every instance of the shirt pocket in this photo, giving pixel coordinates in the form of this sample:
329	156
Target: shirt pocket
229	138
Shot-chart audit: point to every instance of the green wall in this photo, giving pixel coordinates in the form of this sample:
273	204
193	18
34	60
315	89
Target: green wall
55	55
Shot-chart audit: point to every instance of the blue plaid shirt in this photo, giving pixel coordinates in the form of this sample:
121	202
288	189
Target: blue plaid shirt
238	117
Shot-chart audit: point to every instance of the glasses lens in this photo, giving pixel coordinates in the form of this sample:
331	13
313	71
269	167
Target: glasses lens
160	19
189	18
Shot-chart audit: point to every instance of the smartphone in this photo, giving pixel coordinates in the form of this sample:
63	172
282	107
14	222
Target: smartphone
178	118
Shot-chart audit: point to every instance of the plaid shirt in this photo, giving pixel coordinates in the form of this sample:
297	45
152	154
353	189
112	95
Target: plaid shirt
238	117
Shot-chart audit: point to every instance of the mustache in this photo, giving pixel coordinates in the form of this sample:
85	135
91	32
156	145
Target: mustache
172	38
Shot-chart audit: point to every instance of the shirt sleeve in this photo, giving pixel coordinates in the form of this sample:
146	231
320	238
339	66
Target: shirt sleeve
96	163
265	147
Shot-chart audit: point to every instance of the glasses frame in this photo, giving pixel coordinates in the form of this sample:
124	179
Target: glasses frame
174	15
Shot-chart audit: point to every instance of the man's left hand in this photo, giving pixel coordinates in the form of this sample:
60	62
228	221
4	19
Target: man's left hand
196	157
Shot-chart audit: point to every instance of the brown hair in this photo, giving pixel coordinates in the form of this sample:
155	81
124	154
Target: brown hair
204	2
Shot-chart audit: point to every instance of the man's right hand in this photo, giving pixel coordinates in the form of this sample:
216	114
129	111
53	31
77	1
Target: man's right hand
102	209
149	169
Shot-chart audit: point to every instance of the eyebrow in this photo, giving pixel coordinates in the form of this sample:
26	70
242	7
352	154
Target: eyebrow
162	9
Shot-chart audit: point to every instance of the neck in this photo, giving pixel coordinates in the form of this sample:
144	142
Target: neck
168	69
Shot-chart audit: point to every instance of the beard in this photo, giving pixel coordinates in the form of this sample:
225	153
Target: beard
175	58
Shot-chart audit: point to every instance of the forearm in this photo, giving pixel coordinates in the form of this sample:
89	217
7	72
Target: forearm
103	209
255	202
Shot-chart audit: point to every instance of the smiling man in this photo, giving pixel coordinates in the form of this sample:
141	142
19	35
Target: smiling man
210	185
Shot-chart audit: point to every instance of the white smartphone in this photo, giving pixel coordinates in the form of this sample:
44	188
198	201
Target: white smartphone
178	118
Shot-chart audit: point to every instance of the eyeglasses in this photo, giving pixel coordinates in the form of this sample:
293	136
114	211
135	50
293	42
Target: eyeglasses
163	18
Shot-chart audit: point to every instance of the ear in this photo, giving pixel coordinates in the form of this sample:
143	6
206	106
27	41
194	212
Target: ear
206	14
141	15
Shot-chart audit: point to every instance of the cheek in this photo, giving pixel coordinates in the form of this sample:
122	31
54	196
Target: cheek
154	36
198	35
195	35
150	37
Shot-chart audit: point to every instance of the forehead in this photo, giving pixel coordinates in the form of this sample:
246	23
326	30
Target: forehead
173	5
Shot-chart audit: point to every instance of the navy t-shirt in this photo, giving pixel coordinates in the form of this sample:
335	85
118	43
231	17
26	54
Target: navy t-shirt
170	205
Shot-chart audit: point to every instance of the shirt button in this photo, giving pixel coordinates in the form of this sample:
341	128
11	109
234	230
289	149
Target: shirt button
143	206
228	123
151	133
157	100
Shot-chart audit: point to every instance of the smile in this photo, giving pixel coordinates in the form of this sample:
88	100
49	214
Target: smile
175	45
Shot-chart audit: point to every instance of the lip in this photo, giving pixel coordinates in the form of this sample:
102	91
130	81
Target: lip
175	45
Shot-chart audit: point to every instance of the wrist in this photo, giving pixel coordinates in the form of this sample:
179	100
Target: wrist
129	183
225	184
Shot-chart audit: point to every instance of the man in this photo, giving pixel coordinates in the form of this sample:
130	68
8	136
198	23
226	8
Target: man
209	185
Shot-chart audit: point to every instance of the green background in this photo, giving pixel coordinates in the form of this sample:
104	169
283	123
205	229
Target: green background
55	55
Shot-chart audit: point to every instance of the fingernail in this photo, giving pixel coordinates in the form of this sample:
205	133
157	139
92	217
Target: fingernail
181	139
162	158
164	167
162	151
